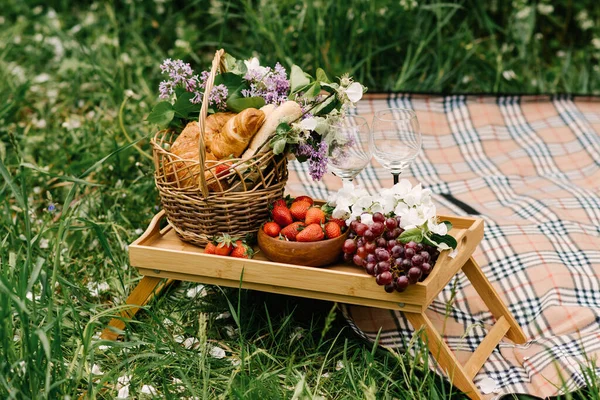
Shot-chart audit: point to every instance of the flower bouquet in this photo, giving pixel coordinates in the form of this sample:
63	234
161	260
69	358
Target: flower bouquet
395	235
227	135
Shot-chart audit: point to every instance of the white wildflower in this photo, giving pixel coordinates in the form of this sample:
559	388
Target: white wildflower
230	331
72	122
41	78
96	370
199	290
217	352
545	9
596	43
149	389
190	343
224	315
123	386
524	13
178	383
509	75
339	365
44	243
97	288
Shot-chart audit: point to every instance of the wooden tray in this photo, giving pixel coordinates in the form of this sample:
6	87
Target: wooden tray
159	253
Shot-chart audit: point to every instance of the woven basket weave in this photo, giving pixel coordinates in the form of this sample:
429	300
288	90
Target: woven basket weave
202	202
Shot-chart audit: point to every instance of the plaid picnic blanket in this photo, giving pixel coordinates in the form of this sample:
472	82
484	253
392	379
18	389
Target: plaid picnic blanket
530	167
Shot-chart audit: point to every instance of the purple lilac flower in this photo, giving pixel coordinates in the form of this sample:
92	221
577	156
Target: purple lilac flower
273	86
180	73
317	159
51	208
218	96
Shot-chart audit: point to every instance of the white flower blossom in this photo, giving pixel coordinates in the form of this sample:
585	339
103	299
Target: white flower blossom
367	219
149	389
414	206
199	290
354	92
254	65
96	370
217	352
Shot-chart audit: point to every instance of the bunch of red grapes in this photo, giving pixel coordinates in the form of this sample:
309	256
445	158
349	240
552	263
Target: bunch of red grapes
377	249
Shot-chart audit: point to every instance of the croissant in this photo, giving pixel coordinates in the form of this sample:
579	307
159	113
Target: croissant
235	135
185	169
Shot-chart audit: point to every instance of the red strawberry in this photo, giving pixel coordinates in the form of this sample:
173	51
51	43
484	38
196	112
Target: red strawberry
242	250
312	233
299	209
272	229
291	231
222	169
225	245
304	198
314	216
282	216
340	222
332	230
279	203
210	248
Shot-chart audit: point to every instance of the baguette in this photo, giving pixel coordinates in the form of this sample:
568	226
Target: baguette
286	112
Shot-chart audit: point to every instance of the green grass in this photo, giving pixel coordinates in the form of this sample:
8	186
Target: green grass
76	83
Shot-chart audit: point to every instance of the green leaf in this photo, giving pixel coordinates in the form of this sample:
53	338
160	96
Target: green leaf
312	91
449	240
239	104
325	107
234	83
183	107
448	225
322	76
279	146
282	129
235	66
162	114
414	235
298	79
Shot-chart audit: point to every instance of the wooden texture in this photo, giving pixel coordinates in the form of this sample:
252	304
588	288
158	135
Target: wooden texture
310	254
492	300
285	290
443	355
144	292
486	347
163	252
159	254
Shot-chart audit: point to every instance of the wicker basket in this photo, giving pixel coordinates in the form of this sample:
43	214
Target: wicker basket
233	202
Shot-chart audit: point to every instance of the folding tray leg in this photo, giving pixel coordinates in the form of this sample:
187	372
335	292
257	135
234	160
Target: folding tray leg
443	355
144	292
492	300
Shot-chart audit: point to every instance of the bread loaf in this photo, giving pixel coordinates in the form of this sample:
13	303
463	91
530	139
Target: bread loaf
185	167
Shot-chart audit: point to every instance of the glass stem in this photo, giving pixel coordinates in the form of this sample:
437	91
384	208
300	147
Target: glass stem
396	177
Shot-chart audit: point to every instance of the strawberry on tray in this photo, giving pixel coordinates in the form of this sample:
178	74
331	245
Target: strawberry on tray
302	232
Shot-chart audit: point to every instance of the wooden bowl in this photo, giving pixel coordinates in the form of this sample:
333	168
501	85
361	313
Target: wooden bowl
310	254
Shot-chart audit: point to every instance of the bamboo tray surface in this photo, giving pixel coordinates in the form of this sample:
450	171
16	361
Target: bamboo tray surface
160	253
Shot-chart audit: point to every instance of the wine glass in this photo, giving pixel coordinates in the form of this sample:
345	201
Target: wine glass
348	150
395	139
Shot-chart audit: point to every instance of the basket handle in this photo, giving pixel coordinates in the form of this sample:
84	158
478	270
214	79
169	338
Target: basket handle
217	64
